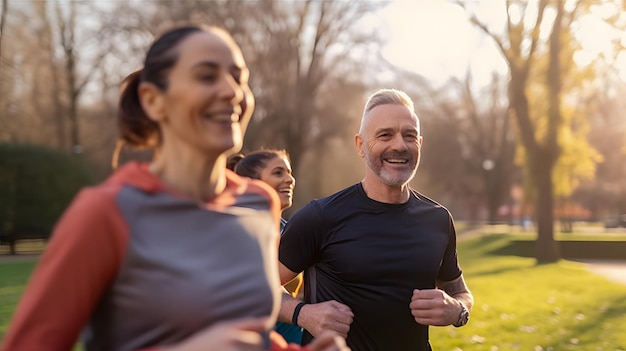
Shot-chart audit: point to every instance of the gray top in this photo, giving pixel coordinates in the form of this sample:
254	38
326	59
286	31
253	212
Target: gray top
142	267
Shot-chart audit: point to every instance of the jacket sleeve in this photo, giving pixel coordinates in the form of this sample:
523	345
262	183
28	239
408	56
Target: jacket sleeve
278	343
79	264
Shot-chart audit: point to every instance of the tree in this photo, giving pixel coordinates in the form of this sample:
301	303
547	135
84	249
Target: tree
487	139
299	52
48	49
7	78
605	197
3	16
68	29
470	126
301	55
540	124
306	77
20	65
46	73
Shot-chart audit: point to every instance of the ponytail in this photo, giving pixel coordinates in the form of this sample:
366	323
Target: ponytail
135	127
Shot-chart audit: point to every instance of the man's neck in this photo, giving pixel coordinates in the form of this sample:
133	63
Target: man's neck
378	191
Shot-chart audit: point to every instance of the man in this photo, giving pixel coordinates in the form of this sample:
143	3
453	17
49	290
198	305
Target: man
379	258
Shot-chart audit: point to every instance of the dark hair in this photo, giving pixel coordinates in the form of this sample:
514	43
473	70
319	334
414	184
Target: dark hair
233	160
252	164
135	127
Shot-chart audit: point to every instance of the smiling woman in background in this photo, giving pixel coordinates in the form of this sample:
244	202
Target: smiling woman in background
178	254
274	168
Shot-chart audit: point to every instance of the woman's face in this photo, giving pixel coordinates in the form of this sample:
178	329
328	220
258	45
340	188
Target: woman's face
277	173
203	106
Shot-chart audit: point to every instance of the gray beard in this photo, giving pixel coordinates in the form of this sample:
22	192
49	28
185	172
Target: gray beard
396	179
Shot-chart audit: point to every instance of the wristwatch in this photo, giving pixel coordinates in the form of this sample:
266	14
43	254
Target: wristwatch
463	317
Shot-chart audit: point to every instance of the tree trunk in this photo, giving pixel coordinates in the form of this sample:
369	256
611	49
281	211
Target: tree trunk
57	89
68	31
546	248
492	190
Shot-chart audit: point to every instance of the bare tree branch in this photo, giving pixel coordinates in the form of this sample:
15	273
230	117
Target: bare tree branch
474	20
3	18
534	38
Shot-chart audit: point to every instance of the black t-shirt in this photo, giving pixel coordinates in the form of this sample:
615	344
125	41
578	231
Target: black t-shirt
370	256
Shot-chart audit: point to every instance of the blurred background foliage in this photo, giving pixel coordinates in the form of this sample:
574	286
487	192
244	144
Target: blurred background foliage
36	185
545	140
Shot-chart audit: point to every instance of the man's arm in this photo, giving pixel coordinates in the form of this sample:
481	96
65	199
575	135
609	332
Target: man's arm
458	289
441	306
315	318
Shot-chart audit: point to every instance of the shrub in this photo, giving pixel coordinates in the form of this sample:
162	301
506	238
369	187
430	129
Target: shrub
36	185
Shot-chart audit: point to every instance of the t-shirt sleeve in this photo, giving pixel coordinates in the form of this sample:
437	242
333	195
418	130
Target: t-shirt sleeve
80	262
450	268
302	238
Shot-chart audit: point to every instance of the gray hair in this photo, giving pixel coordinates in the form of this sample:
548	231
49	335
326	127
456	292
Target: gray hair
387	97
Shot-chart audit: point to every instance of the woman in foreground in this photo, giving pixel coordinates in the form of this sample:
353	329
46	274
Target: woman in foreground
178	254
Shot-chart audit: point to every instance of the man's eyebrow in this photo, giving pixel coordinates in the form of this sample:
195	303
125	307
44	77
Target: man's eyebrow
379	130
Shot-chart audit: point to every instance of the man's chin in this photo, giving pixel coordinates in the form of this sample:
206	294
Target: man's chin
396	179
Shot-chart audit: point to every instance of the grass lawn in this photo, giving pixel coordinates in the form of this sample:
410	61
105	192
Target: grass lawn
519	305
13	279
522	306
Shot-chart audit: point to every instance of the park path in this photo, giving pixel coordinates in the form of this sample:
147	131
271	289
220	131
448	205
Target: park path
614	270
5	257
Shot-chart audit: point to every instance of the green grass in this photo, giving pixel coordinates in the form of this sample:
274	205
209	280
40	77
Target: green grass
523	306
13	279
575	236
519	305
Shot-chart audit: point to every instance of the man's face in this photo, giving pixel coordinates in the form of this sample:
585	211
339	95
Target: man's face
390	143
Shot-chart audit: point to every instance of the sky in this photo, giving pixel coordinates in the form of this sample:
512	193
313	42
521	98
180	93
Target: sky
435	39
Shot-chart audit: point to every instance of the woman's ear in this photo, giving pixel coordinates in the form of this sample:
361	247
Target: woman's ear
152	100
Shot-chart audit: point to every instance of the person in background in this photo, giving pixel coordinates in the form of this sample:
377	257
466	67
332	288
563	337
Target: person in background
379	258
274	168
178	254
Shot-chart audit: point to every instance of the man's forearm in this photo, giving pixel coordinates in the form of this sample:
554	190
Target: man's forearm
287	306
466	299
